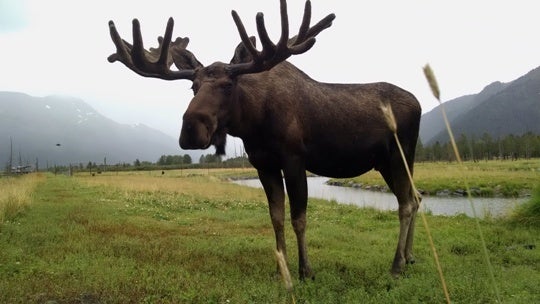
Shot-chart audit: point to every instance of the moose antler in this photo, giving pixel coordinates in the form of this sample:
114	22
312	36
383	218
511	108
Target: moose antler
273	54
156	62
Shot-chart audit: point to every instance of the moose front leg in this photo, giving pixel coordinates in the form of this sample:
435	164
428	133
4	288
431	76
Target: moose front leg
295	179
272	182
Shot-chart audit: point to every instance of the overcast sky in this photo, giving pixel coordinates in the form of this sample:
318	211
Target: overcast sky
61	46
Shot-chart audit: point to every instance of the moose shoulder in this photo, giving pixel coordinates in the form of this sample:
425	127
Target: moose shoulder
289	123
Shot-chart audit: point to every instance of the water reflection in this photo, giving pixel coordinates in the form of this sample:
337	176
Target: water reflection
387	201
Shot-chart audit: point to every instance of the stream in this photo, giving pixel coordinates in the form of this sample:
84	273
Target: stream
436	205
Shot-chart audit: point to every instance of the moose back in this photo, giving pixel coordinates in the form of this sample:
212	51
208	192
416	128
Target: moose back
288	122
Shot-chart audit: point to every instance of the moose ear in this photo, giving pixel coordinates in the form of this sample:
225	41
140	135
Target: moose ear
182	58
241	53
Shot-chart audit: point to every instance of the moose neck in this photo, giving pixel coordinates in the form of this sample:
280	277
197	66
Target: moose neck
260	98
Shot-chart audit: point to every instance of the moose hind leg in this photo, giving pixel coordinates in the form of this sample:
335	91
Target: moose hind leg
407	215
400	185
415	199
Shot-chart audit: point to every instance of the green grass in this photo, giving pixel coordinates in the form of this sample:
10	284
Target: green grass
146	238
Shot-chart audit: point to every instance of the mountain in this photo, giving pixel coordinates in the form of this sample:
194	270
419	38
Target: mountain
499	109
63	130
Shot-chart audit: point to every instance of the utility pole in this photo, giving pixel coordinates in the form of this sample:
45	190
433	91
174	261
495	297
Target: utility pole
10	155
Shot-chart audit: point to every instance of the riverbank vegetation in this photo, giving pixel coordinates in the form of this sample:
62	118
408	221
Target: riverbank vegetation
191	237
485	178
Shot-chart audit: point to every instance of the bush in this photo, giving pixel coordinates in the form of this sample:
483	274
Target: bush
529	212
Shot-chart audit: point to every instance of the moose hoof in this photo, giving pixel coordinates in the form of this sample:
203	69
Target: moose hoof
307	274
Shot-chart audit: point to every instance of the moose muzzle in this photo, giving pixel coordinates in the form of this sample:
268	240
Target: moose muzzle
197	131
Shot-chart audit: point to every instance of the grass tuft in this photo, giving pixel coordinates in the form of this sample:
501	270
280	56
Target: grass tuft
16	195
528	214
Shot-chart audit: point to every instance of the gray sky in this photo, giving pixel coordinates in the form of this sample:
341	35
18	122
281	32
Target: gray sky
60	47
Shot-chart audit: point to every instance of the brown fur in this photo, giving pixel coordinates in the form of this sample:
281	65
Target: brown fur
290	123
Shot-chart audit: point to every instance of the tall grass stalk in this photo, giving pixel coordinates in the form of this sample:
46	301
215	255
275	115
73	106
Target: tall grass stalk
16	194
285	274
391	122
432	81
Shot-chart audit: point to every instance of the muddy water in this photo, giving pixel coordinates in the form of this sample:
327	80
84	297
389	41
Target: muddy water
318	188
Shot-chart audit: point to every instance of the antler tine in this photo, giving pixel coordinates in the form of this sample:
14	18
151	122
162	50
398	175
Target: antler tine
165	44
325	23
304	27
272	54
137	52
268	46
143	62
243	35
121	51
284	25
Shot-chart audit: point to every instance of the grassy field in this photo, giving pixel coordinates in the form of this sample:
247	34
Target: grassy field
485	178
190	237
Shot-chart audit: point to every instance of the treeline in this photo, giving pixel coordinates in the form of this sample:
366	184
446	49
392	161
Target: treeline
482	148
165	160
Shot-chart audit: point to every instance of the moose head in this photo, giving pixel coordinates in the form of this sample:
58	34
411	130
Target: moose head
214	86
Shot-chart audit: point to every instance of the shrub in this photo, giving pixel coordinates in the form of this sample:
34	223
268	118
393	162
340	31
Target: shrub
529	212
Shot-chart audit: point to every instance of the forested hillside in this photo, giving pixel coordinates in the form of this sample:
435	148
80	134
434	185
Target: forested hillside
503	120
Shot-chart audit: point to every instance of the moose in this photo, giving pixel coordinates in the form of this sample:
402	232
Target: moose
288	122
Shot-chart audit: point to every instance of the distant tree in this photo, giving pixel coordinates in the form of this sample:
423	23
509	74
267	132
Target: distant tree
490	146
437	151
212	158
463	147
165	160
145	163
137	163
420	151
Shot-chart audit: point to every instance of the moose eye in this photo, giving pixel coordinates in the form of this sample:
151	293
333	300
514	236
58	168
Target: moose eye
227	88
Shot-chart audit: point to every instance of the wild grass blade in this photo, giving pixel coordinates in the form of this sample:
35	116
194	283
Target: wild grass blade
430	76
285	274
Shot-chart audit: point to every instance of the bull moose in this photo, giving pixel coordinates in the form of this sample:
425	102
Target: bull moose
288	122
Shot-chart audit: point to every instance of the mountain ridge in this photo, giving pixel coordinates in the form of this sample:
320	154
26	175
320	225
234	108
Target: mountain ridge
63	129
500	109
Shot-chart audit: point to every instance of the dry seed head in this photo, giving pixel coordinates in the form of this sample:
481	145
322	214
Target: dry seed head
285	274
430	76
389	117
